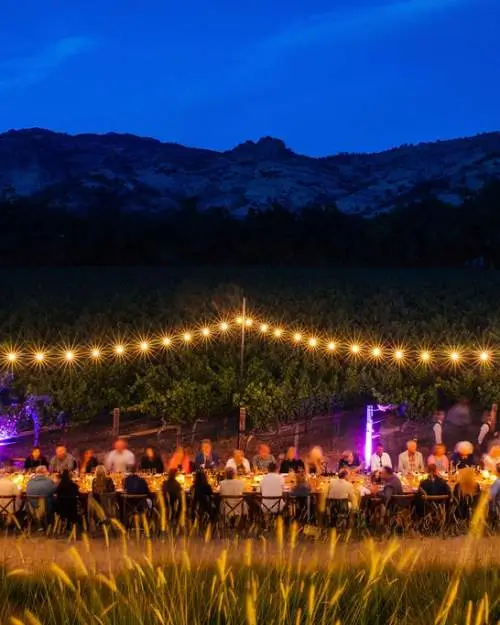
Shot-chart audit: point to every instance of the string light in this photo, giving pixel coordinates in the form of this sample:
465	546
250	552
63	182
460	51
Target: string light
399	354
450	355
69	356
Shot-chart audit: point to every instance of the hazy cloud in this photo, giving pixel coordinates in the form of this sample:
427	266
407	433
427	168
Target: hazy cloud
30	69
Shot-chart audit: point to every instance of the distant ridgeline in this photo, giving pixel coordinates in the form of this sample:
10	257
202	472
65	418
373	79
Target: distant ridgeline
426	232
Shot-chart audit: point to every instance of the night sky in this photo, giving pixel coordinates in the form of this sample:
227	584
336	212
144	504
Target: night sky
325	76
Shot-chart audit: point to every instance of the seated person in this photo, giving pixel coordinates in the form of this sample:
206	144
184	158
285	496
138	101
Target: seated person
392	484
201	496
434	485
151	462
41	489
180	461
136	485
35	459
120	459
467	492
495	491
271	488
301	488
341	488
62	460
411	460
9	489
263	459
231	487
172	494
88	462
67	494
351	461
379	459
238	463
315	463
439	459
463	456
103	490
206	458
291	463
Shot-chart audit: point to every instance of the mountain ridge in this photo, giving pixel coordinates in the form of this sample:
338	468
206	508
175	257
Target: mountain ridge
145	173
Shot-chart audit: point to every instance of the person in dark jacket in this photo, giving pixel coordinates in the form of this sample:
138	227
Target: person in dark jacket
291	462
151	461
434	485
172	495
35	459
88	462
202	497
67	494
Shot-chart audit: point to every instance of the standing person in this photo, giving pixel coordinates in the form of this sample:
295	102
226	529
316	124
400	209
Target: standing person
35	459
88	462
315	462
62	460
487	430
437	428
151	461
121	459
206	458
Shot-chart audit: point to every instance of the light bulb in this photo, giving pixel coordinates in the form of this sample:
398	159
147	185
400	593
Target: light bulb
166	341
455	356
206	332
278	332
69	356
144	346
484	356
119	350
425	356
355	349
297	337
248	322
39	356
332	346
312	342
224	326
376	352
12	357
187	337
398	354
264	328
95	353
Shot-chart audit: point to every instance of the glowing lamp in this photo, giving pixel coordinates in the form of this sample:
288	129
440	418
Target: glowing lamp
239	320
144	346
331	346
95	353
166	341
248	322
484	356
398	354
312	342
355	349
69	356
119	350
297	337
187	337
454	356
278	332
39	356
425	356
206	332
264	328
12	357
376	352
224	326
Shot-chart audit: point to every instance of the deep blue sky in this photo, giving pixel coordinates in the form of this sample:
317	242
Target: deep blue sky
325	76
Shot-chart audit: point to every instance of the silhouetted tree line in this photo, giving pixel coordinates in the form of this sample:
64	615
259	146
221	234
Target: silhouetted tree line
427	233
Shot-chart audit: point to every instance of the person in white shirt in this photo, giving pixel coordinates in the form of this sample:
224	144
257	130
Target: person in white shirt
411	460
271	489
231	487
340	488
238	463
437	428
8	489
121	459
380	459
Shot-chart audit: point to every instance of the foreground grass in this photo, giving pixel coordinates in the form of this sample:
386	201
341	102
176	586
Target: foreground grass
283	581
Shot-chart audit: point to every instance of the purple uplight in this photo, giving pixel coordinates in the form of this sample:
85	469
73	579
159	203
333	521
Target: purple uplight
369	435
